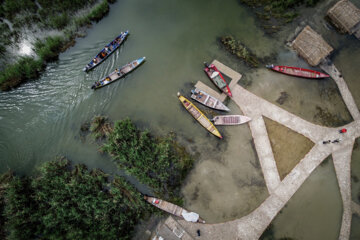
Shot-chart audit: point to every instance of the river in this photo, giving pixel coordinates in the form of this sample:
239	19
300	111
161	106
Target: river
41	119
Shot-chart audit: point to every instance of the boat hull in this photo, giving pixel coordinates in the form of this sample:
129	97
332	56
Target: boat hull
217	78
117	74
112	46
230	119
199	116
208	100
298	72
168	207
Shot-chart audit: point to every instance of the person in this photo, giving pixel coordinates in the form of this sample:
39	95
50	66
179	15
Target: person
343	130
94	61
106	48
198	232
336	141
200	94
326	142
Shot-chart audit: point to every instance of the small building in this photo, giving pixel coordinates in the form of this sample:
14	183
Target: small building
311	46
345	16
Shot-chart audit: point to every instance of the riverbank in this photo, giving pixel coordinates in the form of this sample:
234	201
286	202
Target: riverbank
59	26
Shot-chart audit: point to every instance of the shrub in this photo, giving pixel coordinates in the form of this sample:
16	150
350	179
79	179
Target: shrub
99	11
59	21
49	49
25	68
158	162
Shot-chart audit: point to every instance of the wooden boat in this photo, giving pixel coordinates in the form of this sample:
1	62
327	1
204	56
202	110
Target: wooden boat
230	119
174	209
118	73
106	51
297	72
208	100
217	78
199	116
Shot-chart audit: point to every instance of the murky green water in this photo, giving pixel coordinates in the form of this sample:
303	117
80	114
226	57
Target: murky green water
315	210
41	119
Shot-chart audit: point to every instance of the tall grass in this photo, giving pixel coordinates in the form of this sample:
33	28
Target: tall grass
26	68
49	49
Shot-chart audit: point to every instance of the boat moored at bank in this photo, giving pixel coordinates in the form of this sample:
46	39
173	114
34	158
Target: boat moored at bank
174	209
217	78
297	72
199	116
208	100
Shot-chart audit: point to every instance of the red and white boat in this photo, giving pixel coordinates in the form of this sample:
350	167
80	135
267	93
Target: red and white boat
297	72
217	78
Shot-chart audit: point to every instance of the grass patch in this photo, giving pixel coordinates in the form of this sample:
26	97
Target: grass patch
26	68
49	49
158	162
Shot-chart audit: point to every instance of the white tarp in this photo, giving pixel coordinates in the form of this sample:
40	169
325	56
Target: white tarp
214	74
190	216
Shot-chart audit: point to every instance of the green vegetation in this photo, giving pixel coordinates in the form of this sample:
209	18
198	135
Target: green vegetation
68	202
277	12
158	162
26	68
238	49
49	49
100	127
29	68
46	15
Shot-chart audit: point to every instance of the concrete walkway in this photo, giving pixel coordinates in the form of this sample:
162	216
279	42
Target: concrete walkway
335	74
254	224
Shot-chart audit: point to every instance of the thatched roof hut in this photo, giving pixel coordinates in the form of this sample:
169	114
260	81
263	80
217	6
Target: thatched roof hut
345	16
311	46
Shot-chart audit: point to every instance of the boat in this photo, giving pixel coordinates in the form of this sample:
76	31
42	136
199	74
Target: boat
118	73
230	119
174	209
217	78
106	51
208	100
199	116
297	72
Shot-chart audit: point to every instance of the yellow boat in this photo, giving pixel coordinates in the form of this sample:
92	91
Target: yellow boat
199	116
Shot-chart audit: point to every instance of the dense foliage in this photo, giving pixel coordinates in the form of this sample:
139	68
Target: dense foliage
49	49
158	162
26	68
47	14
62	202
277	11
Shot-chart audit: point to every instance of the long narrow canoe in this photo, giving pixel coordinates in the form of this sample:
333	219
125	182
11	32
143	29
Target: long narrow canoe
230	119
208	100
118	73
297	72
106	51
217	78
174	209
199	116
